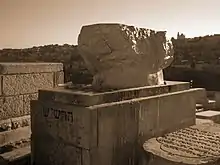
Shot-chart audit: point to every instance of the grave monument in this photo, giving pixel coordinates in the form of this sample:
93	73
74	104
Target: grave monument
121	56
127	103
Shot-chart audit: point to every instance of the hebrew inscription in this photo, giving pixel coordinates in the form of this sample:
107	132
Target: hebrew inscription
58	114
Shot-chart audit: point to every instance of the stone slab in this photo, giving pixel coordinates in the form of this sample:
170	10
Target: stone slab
87	97
19	156
202	121
14	135
26	83
69	140
24	67
198	144
103	132
155	117
211	115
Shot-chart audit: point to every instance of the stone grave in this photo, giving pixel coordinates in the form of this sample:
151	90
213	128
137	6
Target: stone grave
108	121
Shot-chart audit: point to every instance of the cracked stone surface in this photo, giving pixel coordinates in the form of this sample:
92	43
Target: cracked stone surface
122	56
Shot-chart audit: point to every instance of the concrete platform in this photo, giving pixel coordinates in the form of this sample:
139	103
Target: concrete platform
211	115
198	144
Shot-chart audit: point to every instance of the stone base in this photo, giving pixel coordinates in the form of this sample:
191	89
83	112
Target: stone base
195	145
83	127
210	115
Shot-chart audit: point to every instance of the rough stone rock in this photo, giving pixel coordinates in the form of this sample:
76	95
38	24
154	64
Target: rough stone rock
122	56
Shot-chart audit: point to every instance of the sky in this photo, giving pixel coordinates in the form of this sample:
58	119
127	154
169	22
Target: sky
27	23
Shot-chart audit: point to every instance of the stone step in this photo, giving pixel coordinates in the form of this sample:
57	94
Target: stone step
20	156
202	121
195	145
210	115
14	135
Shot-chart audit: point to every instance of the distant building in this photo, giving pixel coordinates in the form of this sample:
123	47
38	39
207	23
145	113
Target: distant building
180	36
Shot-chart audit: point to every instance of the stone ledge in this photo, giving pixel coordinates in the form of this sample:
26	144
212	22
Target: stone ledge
21	68
210	115
19	156
86	96
14	135
14	123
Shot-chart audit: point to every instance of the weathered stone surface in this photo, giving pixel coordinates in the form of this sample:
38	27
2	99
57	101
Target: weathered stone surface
121	56
109	132
20	156
11	107
211	115
14	123
5	125
87	97
20	122
198	144
27	99
14	135
26	83
13	68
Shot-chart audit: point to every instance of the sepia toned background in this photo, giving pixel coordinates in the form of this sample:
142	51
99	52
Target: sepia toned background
25	23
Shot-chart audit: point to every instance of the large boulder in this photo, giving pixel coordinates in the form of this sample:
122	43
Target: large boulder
122	56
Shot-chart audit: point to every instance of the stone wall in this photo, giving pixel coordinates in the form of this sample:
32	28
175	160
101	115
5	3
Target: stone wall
19	83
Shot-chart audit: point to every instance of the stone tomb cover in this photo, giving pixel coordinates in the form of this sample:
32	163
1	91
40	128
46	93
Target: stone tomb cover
198	144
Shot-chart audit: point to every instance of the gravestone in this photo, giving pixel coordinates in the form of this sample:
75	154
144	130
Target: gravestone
81	127
107	123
